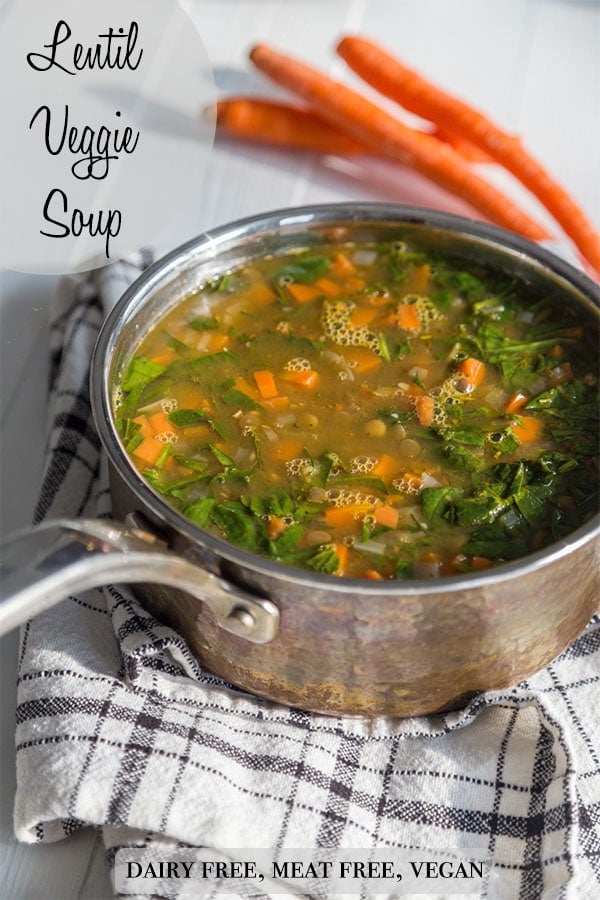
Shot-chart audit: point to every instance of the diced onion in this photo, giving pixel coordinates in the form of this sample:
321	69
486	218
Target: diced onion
525	315
203	341
341	363
428	481
270	434
151	408
364	257
418	372
202	308
285	419
370	547
426	570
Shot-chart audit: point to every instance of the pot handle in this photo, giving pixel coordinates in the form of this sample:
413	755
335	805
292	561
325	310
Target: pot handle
40	566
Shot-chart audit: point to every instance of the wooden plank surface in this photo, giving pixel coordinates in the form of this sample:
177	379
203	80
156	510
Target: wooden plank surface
532	64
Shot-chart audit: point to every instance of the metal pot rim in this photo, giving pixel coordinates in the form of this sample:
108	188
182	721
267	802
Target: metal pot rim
335	213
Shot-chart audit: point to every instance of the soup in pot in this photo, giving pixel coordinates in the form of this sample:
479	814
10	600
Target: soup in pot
368	411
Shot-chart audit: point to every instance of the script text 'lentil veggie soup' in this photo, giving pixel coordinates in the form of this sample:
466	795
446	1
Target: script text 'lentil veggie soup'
369	410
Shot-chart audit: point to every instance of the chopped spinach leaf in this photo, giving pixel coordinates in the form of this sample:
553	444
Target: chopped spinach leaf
140	372
305	269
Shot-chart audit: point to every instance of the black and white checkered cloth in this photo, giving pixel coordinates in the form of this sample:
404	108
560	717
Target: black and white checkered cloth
120	728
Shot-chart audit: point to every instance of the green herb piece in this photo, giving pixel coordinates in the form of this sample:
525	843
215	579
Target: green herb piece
176	344
189	462
571	414
279	503
439	505
134	442
457	456
305	269
200	511
234	397
402	349
222	284
493	308
324	559
466	434
287	542
368	481
382	346
504	441
161	483
183	418
463	283
163	456
327	465
204	323
140	372
221	457
238	525
403	568
442	299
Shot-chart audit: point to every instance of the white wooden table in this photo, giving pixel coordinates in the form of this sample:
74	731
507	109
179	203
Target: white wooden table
531	64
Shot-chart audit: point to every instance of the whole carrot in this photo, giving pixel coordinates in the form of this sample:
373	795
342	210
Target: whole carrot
271	122
284	125
395	80
374	126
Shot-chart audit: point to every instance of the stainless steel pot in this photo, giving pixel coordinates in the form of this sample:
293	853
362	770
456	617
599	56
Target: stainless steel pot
308	640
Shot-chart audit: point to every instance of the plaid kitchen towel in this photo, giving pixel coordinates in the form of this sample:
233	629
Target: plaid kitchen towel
119	727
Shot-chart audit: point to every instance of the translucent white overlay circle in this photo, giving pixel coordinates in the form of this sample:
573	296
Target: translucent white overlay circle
104	141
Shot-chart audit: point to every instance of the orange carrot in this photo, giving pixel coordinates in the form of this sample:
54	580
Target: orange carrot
285	450
466	148
361	360
328	287
308	378
479	563
303	293
218	342
561	373
406	316
259	295
418	280
424	407
395	80
296	128
473	370
145	426
387	467
246	388
163	359
342	265
362	315
373	575
265	383
277	404
341	551
366	121
515	402
159	423
276	525
348	516
354	283
526	428
386	515
149	450
270	122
